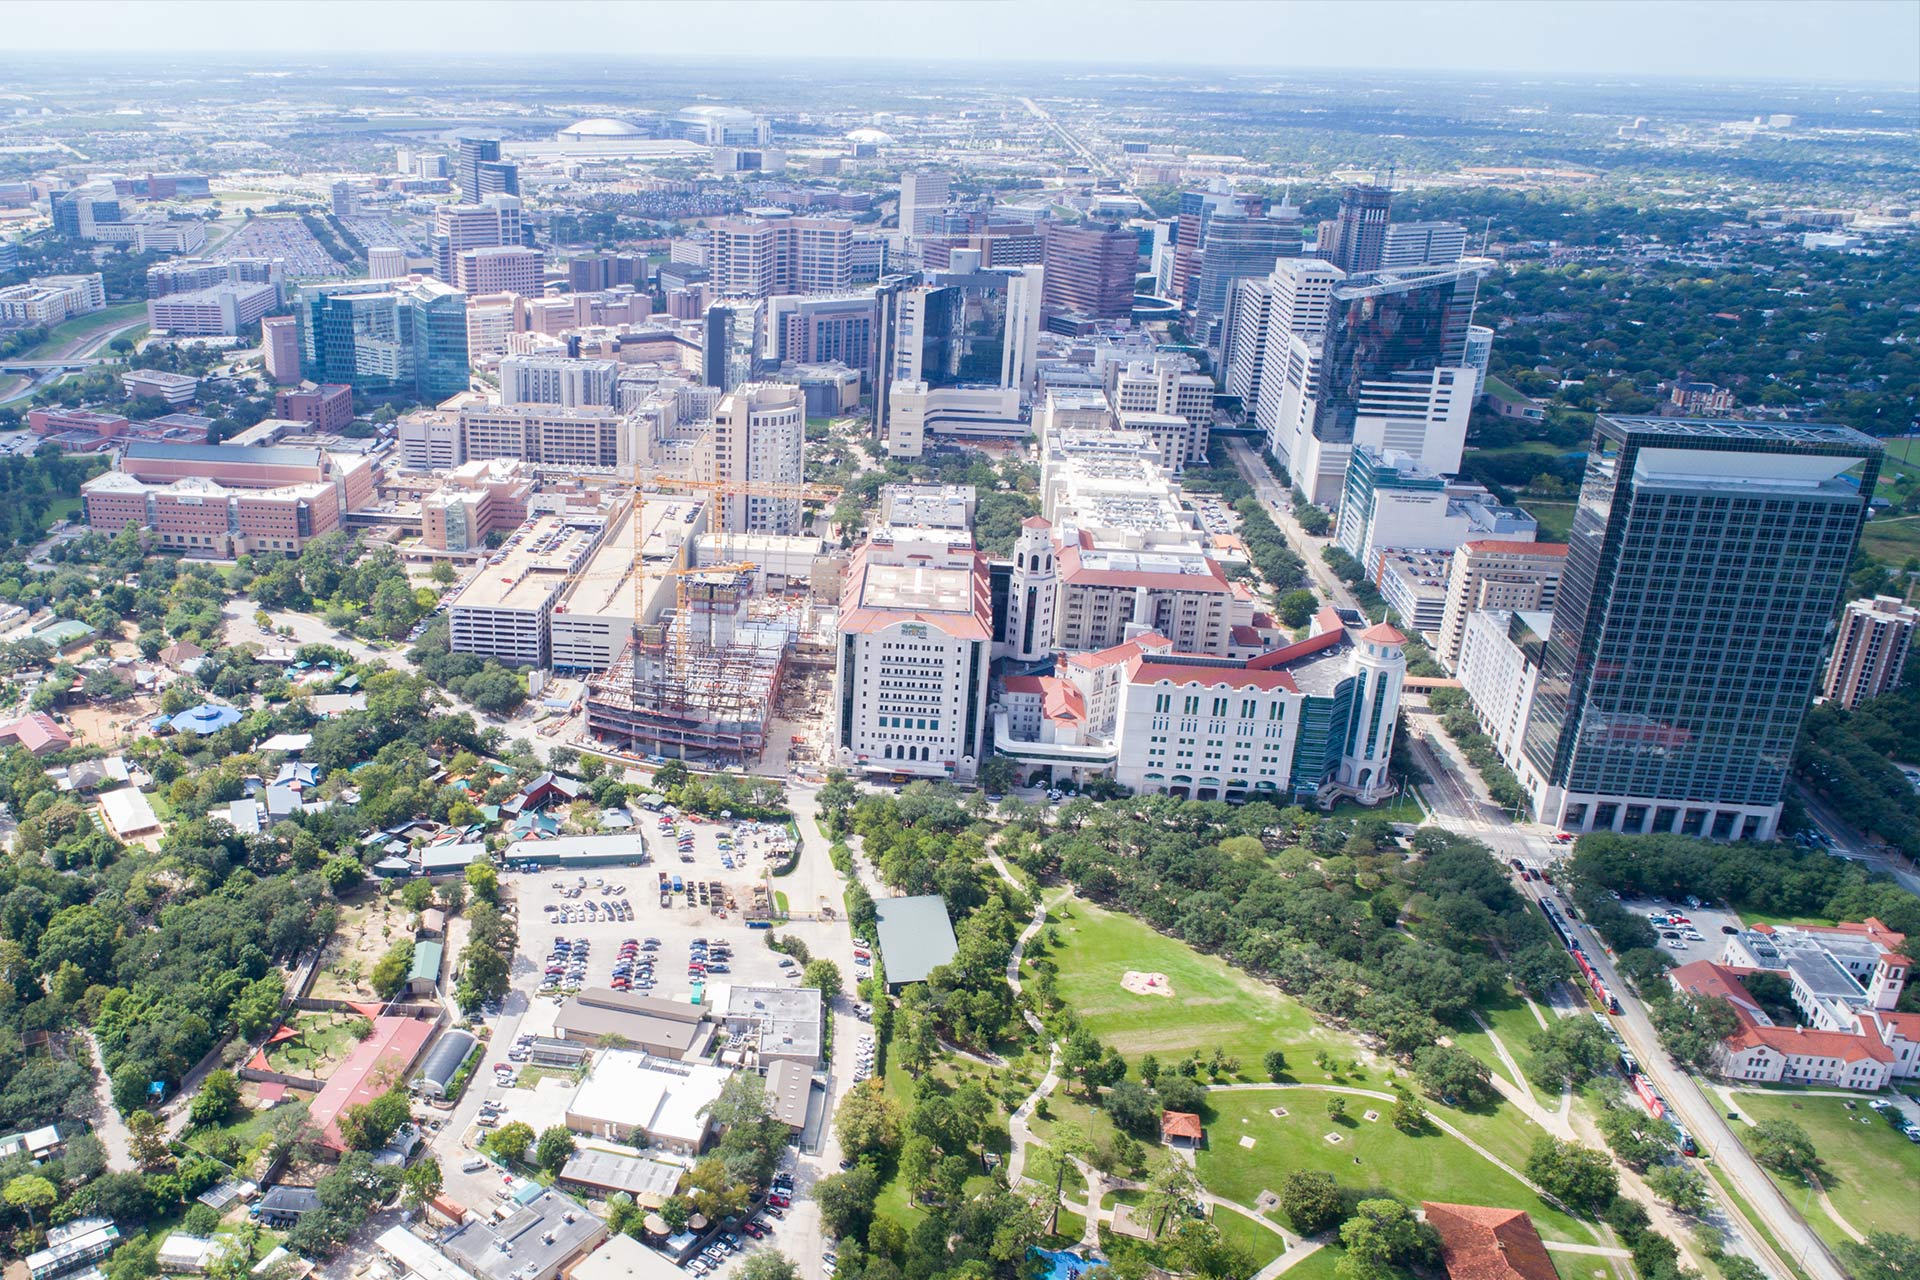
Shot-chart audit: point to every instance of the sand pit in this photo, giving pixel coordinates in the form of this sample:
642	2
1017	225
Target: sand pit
1146	984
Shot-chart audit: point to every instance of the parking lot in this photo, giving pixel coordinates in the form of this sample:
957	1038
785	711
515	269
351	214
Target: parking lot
1710	923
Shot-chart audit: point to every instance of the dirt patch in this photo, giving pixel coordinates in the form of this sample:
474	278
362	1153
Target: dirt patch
368	929
106	725
1146	984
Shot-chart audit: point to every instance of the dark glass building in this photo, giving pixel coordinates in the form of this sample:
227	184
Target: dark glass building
1356	239
385	338
1389	325
1704	572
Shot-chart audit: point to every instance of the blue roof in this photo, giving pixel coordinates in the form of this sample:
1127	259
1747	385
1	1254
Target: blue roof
208	717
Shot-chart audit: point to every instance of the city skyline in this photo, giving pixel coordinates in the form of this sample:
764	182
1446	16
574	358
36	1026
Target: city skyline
1855	42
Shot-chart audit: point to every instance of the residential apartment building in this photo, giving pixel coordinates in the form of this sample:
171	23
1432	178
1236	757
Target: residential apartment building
1870	651
47	300
915	647
1707	561
758	438
759	258
1295	722
1498	666
1356	239
818	329
557	380
1496	573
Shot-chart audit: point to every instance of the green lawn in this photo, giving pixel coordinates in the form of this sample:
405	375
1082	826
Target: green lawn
1262	1245
1894	539
65	508
67	330
1556	518
1401	808
1212	1003
1870	1172
327	1038
1373	1158
1513	1021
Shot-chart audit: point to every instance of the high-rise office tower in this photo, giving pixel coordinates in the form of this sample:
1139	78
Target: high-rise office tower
501	269
1703	571
759	437
1387	368
1191	225
280	348
593	272
969	328
732	343
1240	246
488	224
481	172
1356	239
1091	269
342	200
1423	244
386	338
1871	650
923	198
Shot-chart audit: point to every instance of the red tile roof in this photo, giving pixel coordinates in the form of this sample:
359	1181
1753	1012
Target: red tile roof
1482	1243
1023	684
1144	672
1519	548
38	732
1383	633
1146	642
1181	1124
1036	522
1298	649
1704	977
859	619
378	1063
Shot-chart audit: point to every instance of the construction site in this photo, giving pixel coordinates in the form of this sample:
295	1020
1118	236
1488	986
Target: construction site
703	680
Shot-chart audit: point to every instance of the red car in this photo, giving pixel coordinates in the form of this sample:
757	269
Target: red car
778	1201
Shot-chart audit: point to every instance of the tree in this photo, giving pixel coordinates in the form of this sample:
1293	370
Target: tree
366	1126
342	873
846	1200
767	1264
1296	608
1692	1026
1385	1233
823	974
219	1095
997	775
30	1192
1134	1109
417	895
1886	1255
1409	1117
867	1122
391	969
484	881
1276	1064
1310	1201
1680	1187
1453	1074
1172	1192
148	1140
420	1183
554	1148
1336	1108
1580	1176
1783	1146
510	1141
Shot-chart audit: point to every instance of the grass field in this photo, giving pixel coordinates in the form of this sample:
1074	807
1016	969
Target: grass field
1212	1003
1402	808
1556	518
1373	1157
325	1039
1870	1172
1262	1245
1513	1021
1895	539
67	330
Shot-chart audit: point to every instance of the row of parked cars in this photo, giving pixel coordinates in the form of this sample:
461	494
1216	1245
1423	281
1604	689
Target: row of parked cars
1897	1119
633	967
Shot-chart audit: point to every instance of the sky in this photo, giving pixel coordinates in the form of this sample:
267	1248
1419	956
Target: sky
1875	41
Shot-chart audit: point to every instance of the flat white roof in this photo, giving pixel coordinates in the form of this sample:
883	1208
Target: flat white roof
635	1091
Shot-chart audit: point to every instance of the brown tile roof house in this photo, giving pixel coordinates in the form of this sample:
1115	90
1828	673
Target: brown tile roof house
1481	1243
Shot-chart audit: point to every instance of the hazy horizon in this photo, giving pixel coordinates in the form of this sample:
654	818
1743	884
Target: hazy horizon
1851	42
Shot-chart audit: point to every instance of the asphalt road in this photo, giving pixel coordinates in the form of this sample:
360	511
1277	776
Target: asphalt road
1457	805
1279	504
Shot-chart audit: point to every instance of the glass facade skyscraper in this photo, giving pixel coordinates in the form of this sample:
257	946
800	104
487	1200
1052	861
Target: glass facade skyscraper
387	338
1703	574
1387	325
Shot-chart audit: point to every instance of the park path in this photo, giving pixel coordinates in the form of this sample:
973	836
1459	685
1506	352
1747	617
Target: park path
1019	1131
107	1124
1297	1252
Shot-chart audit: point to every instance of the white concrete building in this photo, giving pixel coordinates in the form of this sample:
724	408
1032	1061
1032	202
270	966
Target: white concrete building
557	380
1496	573
504	611
1168	385
1499	667
915	645
923	197
758	438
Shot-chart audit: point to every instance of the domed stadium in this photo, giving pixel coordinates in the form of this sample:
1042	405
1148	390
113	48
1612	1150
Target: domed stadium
877	137
582	130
